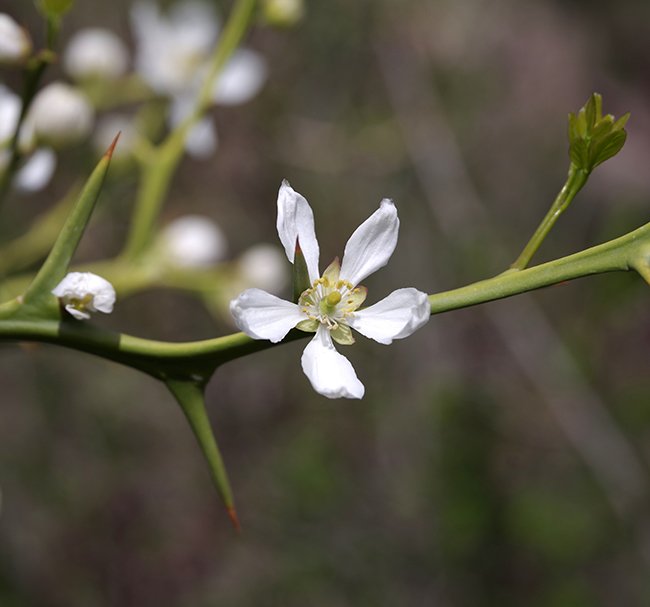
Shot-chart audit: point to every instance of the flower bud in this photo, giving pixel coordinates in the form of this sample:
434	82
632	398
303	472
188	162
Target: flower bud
36	173
594	138
95	53
193	241
15	44
81	293
283	13
60	114
263	266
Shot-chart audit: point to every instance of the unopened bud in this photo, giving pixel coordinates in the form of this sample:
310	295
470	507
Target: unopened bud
193	241
15	44
96	53
60	114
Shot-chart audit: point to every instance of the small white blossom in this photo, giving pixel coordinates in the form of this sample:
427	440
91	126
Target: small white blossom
96	52
15	44
60	114
193	241
331	306
81	293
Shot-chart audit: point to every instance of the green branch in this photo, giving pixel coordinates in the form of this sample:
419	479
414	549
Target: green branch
197	360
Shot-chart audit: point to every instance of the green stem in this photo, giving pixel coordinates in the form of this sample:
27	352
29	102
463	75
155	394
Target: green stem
198	360
164	160
576	179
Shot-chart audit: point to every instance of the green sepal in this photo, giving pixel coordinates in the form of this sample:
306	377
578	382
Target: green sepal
190	396
300	274
342	335
56	265
308	325
594	138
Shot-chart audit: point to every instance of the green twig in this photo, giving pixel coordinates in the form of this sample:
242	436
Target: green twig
576	179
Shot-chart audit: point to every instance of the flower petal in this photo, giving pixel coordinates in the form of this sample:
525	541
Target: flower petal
296	222
372	244
264	316
394	317
330	373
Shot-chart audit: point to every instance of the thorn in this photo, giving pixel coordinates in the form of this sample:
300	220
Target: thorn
234	519
111	148
298	249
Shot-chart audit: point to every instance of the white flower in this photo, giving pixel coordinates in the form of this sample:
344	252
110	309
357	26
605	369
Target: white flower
330	307
15	44
59	114
96	52
193	241
84	292
172	55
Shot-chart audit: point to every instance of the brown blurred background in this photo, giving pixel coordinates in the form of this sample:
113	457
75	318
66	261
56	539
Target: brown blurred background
500	456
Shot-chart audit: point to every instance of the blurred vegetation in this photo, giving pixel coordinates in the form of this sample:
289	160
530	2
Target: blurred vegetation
467	476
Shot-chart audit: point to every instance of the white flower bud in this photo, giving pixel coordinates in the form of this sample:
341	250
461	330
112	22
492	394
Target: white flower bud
96	52
84	292
264	266
9	113
60	114
283	12
193	241
15	44
36	173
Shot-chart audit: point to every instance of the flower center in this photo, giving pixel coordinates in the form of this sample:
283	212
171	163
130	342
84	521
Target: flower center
330	303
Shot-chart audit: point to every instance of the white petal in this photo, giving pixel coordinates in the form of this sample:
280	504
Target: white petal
371	245
78	314
241	79
296	221
394	317
37	171
329	372
264	316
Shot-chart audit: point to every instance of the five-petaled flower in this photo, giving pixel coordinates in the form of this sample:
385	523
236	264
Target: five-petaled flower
81	293
330	307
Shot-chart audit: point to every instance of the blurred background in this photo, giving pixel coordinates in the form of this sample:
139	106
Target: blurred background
500	456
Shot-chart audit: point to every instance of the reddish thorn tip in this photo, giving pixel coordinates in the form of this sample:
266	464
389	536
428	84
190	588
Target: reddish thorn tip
111	148
298	249
234	519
